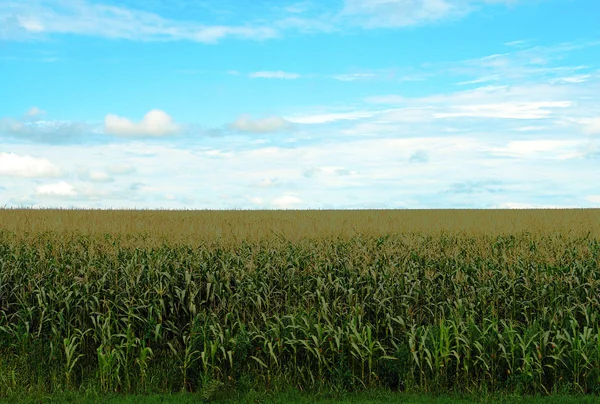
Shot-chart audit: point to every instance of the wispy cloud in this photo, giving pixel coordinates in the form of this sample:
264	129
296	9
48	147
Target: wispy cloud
534	61
580	78
391	14
86	18
319	118
517	110
22	20
274	75
400	13
386	99
557	149
480	80
245	123
520	43
353	76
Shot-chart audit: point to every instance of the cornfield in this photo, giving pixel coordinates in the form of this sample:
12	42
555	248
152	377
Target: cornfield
425	301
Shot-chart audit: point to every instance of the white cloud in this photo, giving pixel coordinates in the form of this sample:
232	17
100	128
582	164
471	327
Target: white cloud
537	63
580	78
519	205
255	200
509	110
274	75
480	80
286	202
121	169
28	19
409	114
95	176
13	165
328	171
348	173
268	182
557	149
330	117
386	99
518	43
218	154
30	24
43	131
85	18
34	111
593	127
399	13
245	123
353	76
58	189
297	8
530	128
155	123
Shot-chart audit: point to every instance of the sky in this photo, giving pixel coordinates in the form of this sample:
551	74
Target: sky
315	104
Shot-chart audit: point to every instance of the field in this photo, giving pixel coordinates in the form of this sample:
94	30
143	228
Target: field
343	301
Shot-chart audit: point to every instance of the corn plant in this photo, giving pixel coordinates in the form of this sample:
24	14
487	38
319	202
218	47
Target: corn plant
195	301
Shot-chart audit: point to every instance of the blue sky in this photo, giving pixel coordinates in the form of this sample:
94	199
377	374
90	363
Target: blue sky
275	104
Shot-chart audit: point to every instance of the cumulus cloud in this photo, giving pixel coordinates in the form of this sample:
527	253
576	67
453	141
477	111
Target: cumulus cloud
155	123
34	111
274	75
58	189
286	201
245	123
13	165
